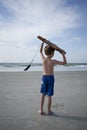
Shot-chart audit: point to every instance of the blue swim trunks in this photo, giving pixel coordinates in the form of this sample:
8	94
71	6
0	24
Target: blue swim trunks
47	85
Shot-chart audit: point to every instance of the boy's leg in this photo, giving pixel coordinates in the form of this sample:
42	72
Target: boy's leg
49	104
41	103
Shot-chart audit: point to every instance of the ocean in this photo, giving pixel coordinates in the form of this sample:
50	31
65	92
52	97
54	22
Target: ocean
19	67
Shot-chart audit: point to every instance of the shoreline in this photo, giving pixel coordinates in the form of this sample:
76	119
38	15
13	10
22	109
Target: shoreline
40	71
19	67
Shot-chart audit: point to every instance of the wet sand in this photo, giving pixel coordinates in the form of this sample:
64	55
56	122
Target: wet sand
19	101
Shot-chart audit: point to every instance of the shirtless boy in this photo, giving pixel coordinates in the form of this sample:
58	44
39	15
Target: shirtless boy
47	83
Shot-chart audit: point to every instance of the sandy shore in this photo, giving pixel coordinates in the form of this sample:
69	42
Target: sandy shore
19	102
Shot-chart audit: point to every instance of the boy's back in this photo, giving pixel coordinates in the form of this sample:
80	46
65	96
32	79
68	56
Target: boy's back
47	62
48	66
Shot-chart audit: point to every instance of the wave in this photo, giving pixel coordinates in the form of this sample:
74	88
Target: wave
38	66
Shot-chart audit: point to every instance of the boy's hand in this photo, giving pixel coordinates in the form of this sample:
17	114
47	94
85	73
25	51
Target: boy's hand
42	43
63	52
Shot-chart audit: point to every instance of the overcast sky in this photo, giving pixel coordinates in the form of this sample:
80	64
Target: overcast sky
64	22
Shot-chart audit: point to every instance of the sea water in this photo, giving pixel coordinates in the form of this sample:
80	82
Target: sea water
19	67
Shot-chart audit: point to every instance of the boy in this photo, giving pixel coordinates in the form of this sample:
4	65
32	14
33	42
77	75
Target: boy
47	85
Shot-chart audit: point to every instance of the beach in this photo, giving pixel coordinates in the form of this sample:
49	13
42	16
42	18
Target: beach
20	96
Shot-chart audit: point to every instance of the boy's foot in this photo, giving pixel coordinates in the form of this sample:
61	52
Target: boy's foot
50	113
41	113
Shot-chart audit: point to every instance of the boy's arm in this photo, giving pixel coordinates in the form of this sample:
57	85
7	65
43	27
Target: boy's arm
64	58
41	50
61	62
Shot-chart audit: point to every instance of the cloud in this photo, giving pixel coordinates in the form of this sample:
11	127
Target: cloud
22	20
44	16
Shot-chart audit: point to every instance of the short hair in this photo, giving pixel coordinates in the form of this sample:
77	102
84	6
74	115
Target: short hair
48	50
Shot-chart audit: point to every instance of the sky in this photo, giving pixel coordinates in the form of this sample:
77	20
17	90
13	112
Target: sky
63	22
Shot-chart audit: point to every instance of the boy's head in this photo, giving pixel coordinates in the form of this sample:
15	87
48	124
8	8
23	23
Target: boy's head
48	50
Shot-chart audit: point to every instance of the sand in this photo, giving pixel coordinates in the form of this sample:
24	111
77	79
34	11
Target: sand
19	102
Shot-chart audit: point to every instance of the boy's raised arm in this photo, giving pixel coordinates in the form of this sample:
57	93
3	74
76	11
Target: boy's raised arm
41	49
64	58
61	62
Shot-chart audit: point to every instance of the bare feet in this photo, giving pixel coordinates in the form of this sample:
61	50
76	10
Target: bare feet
41	113
50	113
